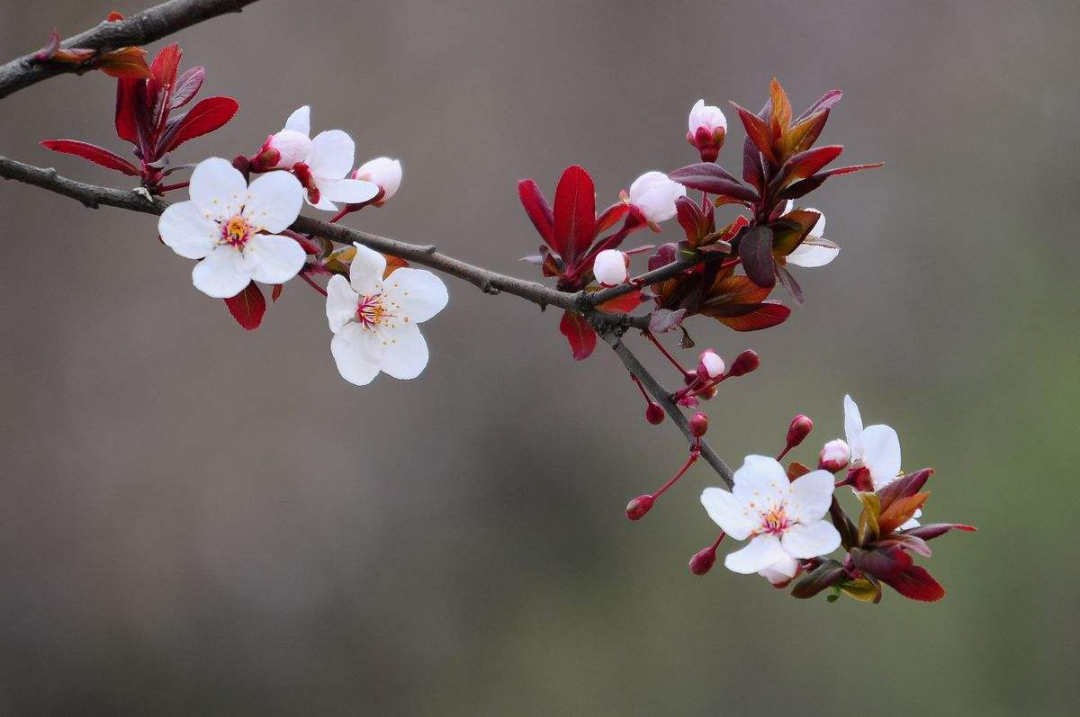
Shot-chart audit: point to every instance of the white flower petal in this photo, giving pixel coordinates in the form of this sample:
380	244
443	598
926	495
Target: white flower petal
420	294
217	188
341	302
654	194
273	202
727	512
272	258
187	231
222	274
781	571
323	204
759	553
609	267
384	172
331	154
292	146
881	455
811	496
913	521
813	252
853	428
818	230
405	353
300	121
761	482
366	272
357	353
811	539
349	191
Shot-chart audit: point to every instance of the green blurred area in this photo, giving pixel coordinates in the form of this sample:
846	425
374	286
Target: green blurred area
196	520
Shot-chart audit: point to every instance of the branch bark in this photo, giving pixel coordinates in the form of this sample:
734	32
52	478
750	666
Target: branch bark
139	29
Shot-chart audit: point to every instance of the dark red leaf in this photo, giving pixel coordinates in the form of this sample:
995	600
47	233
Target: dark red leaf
92	153
755	250
187	86
827	100
904	487
165	66
128	92
733	292
805	164
611	216
621	304
764	316
206	116
248	307
579	333
692	219
934	530
822	577
801	189
275	294
803	134
709	177
917	584
539	212
575	213
663	320
790	283
757	131
127	62
752	172
884	563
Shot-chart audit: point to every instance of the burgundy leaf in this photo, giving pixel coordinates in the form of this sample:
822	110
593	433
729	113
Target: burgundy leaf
248	307
885	563
206	116
128	92
790	283
755	250
92	153
805	164
575	213
757	131
827	100
904	487
663	320
822	577
539	212
934	530
579	333
621	304
764	316
801	189
709	177
917	584
611	216
187	86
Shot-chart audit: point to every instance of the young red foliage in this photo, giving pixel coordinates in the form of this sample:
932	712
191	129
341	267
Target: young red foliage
248	307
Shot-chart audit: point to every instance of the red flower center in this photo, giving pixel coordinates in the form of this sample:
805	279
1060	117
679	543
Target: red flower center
236	232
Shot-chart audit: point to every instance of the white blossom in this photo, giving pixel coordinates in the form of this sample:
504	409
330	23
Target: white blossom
712	364
708	117
233	228
815	250
610	268
875	448
654	195
383	172
375	320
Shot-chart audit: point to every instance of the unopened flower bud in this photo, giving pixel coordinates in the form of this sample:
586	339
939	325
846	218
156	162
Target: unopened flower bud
703	560
610	267
699	425
707	394
654	196
638	507
834	456
654	414
798	430
283	150
710	365
707	129
381	171
746	362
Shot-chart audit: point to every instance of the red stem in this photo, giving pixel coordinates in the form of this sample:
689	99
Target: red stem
169	187
649	335
691	460
312	284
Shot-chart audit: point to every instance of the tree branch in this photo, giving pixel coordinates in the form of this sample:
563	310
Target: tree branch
139	29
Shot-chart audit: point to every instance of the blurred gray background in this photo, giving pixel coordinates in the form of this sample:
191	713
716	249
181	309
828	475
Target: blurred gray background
199	520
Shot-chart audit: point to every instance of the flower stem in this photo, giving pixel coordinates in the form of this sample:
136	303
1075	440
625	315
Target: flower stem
312	284
691	460
672	359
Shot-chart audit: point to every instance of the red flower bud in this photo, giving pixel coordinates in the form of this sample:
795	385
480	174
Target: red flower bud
699	425
707	394
703	560
798	430
638	507
746	362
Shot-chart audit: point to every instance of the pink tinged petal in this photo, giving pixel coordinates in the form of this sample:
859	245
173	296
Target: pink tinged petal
349	191
419	293
405	353
366	272
187	231
222	274
811	496
357	354
300	121
813	252
217	188
881	455
292	147
853	428
781	571
341	302
273	259
761	482
811	539
383	171
759	553
727	512
273	202
331	154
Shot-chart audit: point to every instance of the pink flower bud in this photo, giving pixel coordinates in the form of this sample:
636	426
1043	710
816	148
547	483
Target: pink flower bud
610	267
707	394
384	172
707	130
710	365
654	414
703	560
746	362
834	456
699	425
638	507
798	430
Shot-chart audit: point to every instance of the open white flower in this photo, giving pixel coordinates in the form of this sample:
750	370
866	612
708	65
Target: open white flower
783	519
609	267
322	169
815	250
654	195
375	320
384	172
234	228
875	448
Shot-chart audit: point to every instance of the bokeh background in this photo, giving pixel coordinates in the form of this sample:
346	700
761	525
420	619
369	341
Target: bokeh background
199	520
